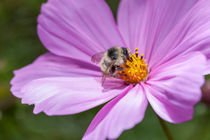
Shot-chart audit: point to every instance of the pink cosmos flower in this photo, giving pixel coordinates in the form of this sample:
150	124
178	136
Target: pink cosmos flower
173	35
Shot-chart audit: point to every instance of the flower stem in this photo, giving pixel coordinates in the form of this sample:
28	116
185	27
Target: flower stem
165	128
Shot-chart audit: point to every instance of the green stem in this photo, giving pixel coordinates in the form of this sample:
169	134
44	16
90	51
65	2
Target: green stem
165	128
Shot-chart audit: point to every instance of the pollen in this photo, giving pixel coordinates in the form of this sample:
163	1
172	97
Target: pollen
135	69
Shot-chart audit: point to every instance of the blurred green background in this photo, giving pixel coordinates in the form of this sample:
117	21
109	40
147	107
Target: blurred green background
19	46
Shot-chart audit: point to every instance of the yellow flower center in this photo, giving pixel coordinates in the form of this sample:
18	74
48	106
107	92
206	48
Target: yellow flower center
135	69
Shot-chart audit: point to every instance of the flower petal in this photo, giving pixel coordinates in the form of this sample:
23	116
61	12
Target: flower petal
175	88
78	28
63	95
122	113
207	71
49	65
145	23
191	34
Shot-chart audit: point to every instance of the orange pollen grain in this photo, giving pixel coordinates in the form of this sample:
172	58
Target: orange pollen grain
135	69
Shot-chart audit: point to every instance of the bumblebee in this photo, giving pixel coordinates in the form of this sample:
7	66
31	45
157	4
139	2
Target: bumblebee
111	60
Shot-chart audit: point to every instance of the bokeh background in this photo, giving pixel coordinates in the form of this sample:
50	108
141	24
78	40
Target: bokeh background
19	46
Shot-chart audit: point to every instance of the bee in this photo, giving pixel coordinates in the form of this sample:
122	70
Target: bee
111	60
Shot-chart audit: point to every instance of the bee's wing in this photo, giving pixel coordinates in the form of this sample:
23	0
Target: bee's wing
96	58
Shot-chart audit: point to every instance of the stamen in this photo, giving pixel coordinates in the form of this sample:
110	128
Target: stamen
136	51
134	71
142	56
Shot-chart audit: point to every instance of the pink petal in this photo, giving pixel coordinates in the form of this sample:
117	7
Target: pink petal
68	95
145	23
207	70
49	65
174	88
191	34
122	113
77	28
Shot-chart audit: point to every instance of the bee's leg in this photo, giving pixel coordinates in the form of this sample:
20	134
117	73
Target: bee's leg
103	79
119	68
